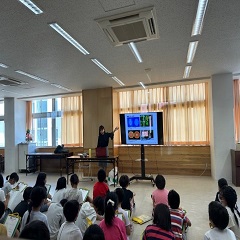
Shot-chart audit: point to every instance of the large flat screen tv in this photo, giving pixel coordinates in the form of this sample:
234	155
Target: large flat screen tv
142	128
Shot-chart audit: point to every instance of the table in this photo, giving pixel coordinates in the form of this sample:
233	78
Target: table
45	156
78	159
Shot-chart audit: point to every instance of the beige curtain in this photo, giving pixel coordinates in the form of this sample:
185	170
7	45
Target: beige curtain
185	110
29	115
72	121
236	90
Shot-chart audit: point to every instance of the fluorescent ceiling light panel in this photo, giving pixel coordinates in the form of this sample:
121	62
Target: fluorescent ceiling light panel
32	6
69	38
60	86
118	81
3	65
32	76
187	71
3	90
100	66
191	51
135	51
198	23
142	85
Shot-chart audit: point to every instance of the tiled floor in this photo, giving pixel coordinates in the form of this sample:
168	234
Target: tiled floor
195	193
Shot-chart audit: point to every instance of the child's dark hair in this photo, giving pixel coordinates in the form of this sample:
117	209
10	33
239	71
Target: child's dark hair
160	182
161	217
27	193
37	196
230	196
101	175
124	181
98	202
120	194
63	201
94	232
111	205
222	182
61	183
1	181
173	199
35	230
40	181
218	214
70	210
74	179
14	176
2	208
101	127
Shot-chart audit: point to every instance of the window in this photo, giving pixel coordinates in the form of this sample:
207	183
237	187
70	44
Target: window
46	114
2	125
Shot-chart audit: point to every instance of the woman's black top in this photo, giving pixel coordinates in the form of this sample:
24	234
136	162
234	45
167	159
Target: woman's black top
103	139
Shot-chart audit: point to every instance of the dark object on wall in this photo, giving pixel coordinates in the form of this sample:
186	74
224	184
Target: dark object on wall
61	149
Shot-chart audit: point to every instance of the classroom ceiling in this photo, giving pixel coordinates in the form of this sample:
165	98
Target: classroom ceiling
29	44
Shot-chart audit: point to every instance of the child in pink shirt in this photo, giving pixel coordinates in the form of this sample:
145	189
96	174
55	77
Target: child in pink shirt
160	195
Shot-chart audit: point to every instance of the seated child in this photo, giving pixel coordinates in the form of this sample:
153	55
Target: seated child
94	232
100	188
3	229
222	182
218	217
3	197
55	217
128	199
68	229
38	197
74	193
11	180
160	195
60	190
179	220
120	195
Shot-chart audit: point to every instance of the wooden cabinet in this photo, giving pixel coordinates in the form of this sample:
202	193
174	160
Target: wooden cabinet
235	156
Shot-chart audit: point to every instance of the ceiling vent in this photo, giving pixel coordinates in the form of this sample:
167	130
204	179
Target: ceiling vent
135	26
6	81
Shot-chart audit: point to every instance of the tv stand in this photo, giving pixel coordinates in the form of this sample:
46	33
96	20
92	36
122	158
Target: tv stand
143	176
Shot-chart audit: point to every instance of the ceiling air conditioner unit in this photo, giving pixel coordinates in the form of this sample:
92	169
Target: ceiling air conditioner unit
6	81
135	26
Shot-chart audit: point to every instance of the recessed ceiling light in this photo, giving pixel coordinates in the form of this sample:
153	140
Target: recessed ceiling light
191	51
198	23
135	52
3	65
60	86
118	81
101	66
187	71
32	76
32	6
141	83
69	38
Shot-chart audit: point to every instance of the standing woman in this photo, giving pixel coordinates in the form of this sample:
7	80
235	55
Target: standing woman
103	140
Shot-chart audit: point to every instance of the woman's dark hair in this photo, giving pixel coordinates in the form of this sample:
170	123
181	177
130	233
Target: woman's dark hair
36	230
27	193
230	196
101	127
120	194
2	208
101	175
61	183
70	210
1	181
94	232
38	194
218	214
98	202
160	182
173	199
40	181
74	179
63	201
124	181
161	217
111	205
222	182
14	176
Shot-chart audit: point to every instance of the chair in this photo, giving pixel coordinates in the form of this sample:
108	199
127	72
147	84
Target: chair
87	165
